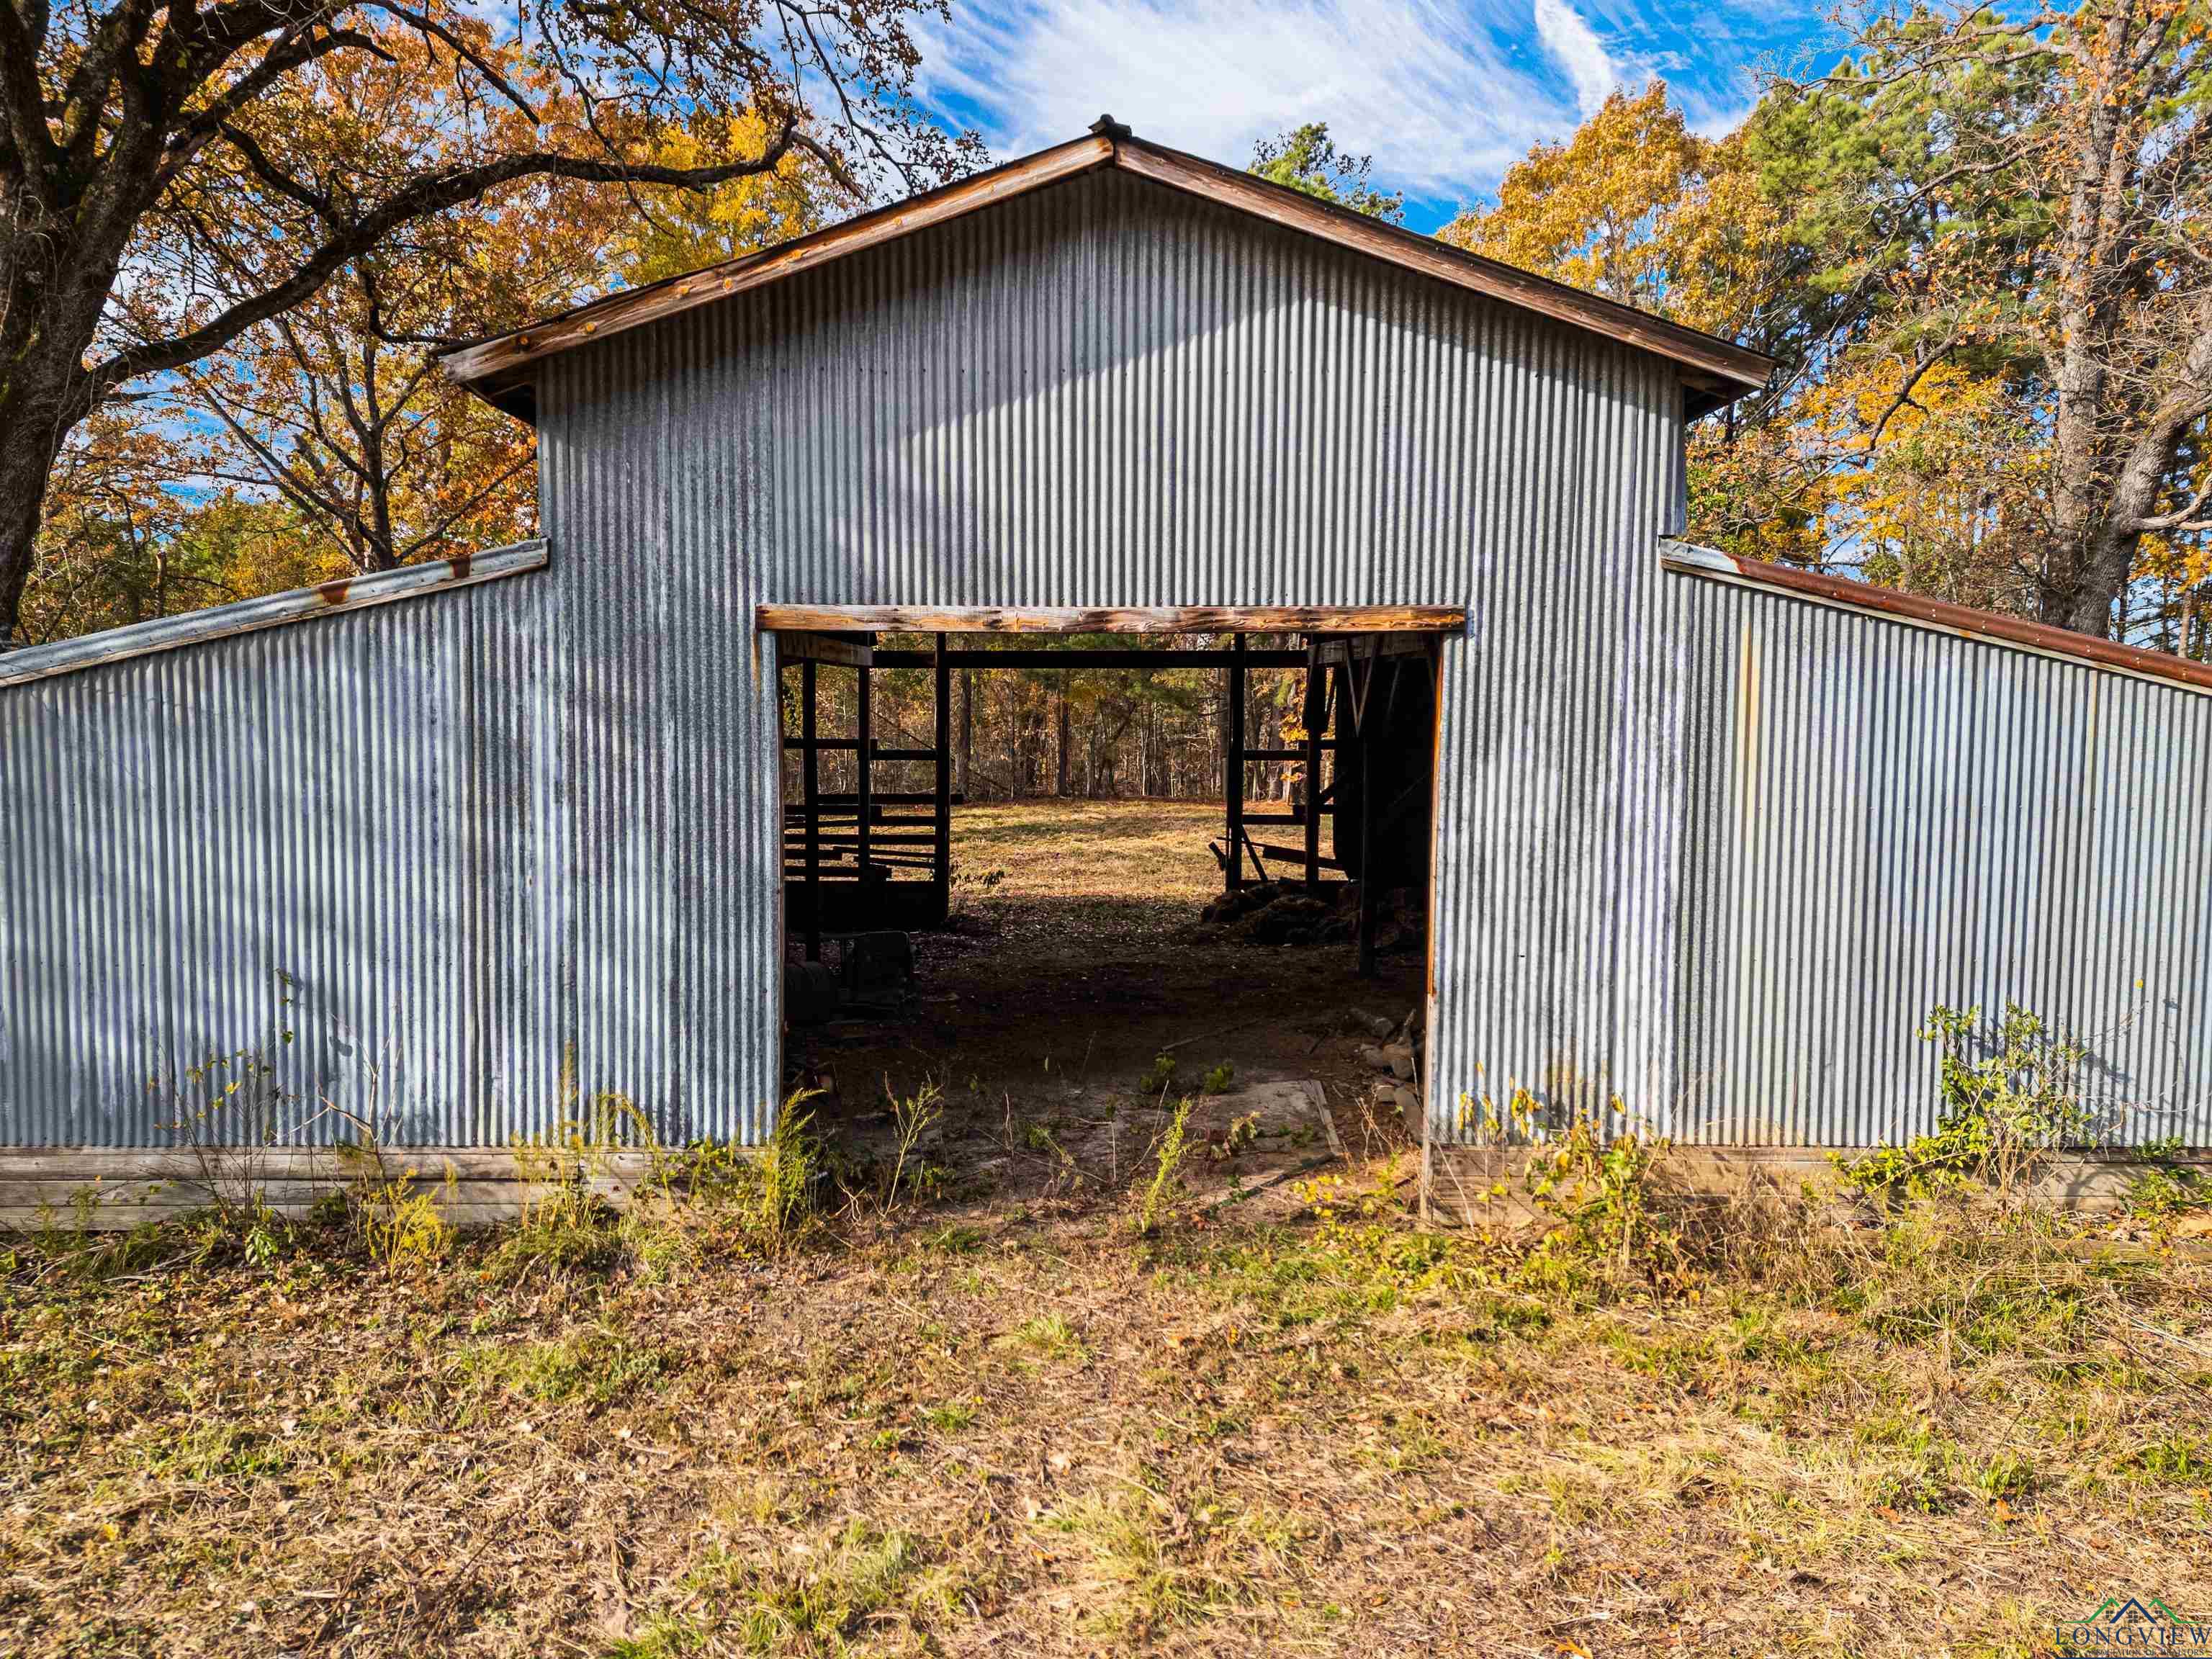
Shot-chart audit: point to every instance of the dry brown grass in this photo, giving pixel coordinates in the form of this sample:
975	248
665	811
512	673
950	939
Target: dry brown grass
994	1434
1121	849
1108	875
1016	1427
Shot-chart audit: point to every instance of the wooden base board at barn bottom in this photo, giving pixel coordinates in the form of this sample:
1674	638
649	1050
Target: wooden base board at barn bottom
1461	1182
112	1188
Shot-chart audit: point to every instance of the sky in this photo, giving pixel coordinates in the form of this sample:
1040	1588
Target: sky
1444	96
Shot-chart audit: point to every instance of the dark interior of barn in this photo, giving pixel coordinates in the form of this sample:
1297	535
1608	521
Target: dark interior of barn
1028	849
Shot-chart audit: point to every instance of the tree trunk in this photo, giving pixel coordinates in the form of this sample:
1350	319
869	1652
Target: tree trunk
967	730
37	410
2107	553
61	244
2104	479
1061	790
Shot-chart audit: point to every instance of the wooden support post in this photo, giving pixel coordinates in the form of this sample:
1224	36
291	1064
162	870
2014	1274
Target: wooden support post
865	788
1316	711
1365	708
1232	763
942	673
809	757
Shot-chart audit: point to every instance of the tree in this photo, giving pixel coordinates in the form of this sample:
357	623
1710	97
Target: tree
1307	159
132	134
377	453
670	232
2103	301
337	404
111	554
1979	250
1637	207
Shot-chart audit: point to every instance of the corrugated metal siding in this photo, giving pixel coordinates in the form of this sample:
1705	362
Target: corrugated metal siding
1880	818
309	829
1711	851
1110	394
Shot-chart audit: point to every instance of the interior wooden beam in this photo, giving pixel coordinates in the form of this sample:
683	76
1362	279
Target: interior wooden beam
1337	652
822	648
1089	657
1129	619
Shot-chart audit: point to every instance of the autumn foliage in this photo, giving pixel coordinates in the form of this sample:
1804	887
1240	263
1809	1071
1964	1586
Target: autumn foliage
1977	249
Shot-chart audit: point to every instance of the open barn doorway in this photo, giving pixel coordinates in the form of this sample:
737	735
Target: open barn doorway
1060	883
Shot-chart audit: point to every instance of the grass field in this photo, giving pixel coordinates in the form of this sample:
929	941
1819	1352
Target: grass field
1108	1407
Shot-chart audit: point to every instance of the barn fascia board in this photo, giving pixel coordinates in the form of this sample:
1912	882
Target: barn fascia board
1112	619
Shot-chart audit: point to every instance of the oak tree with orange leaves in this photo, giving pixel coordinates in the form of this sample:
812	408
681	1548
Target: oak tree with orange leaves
137	137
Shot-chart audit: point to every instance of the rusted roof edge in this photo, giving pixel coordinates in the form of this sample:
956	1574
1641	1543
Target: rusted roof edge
112	644
1913	610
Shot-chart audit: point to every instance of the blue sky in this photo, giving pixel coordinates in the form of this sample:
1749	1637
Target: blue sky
1445	96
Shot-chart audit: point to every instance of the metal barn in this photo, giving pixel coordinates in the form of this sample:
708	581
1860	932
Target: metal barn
1710	838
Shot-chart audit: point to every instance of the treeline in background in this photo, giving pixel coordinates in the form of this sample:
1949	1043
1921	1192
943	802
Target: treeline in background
1079	733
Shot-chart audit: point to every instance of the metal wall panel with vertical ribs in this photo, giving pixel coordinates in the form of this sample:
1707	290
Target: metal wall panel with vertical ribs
272	858
1882	818
1108	393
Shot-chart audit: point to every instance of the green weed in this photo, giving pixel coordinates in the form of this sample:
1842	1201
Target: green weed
1166	1184
2000	1111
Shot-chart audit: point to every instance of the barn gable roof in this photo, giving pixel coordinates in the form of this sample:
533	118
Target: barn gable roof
503	368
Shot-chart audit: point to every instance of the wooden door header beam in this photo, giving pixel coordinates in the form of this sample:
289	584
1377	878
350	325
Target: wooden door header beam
1155	619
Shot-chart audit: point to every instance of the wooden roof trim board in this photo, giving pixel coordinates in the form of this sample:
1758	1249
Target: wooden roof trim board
1713	370
222	621
1922	613
1151	619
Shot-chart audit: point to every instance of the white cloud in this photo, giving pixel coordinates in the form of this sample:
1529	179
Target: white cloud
1574	46
1444	98
1445	94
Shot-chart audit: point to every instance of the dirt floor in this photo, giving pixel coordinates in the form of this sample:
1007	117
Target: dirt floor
1011	1368
1077	958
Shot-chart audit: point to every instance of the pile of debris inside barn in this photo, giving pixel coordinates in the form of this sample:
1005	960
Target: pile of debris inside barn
874	975
1291	914
1398	1055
